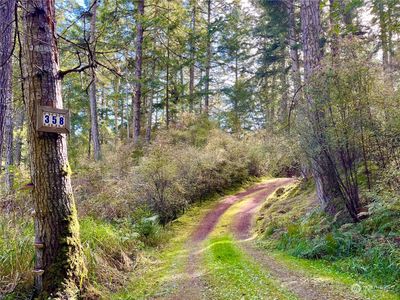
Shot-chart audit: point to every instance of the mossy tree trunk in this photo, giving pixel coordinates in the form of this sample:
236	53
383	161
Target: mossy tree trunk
59	264
322	166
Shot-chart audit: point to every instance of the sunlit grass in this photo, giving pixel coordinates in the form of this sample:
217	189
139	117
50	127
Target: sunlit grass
322	269
160	269
234	276
231	274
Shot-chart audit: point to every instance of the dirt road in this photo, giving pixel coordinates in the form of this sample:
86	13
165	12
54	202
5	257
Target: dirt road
291	284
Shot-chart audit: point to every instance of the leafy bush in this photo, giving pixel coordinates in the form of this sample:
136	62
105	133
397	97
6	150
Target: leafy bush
173	173
150	232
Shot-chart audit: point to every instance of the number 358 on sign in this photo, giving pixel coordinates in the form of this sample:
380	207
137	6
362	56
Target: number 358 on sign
51	119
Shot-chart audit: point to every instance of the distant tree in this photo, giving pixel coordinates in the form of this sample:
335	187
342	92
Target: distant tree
138	72
95	135
192	40
208	59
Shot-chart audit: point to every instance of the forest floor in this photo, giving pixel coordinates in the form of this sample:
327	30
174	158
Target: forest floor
213	254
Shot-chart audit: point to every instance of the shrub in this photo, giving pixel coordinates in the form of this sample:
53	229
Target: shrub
150	232
175	172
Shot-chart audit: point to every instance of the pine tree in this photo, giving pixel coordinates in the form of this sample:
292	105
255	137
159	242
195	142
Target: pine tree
59	266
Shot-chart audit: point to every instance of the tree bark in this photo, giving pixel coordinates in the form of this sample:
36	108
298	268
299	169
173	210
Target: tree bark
293	51
138	72
92	89
59	265
9	141
311	29
7	9
167	88
117	85
192	54
19	124
150	107
322	170
208	61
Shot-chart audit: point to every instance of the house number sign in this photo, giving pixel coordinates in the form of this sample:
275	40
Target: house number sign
54	120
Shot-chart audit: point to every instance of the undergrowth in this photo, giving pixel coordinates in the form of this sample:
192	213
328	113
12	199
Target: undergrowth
291	222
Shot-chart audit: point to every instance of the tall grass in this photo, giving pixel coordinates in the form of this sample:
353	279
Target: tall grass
16	252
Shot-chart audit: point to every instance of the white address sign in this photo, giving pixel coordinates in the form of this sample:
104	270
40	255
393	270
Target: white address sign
51	119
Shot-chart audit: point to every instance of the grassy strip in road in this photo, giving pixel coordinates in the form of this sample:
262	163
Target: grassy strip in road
232	275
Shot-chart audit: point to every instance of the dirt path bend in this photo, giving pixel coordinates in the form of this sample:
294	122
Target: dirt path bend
195	286
299	283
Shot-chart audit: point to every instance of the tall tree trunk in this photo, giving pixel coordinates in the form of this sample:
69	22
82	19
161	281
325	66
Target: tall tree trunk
9	141
323	172
7	9
150	106
192	54
283	109
128	117
293	52
311	29
208	61
293	42
59	264
19	124
116	107
149	120
138	72
92	88
383	34
167	88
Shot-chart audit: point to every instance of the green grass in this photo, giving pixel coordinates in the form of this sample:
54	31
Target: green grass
324	269
362	253
158	268
234	276
16	253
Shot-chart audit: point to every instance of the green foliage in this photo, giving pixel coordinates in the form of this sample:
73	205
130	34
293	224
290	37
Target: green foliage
368	248
150	232
110	252
176	172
